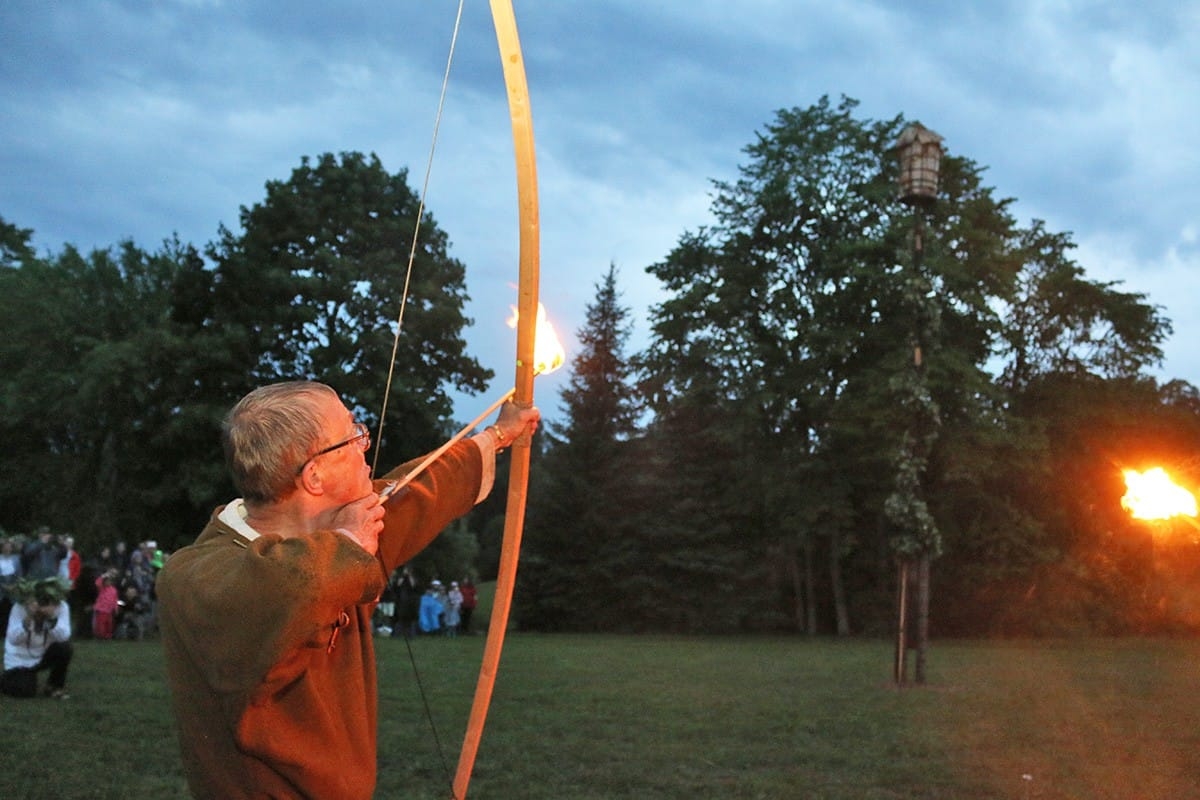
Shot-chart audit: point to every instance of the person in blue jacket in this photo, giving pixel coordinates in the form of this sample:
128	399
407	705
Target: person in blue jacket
431	609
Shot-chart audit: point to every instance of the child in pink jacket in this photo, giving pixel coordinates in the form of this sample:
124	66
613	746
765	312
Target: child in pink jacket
105	609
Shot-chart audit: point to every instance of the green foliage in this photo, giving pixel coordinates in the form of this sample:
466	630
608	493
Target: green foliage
15	249
907	510
42	590
451	556
792	325
585	552
758	467
118	366
95	374
599	398
1060	322
1080	563
312	286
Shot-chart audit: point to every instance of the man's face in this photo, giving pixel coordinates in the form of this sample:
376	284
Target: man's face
345	473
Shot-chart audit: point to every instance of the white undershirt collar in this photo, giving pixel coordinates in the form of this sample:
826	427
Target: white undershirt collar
234	515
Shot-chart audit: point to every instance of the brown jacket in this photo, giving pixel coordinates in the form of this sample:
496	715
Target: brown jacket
269	646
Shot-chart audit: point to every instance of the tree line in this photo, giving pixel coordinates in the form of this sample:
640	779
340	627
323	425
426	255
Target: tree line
755	468
791	457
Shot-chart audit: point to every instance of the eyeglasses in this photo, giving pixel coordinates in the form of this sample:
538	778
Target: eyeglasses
361	437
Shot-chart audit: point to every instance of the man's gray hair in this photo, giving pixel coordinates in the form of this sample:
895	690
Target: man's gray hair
269	434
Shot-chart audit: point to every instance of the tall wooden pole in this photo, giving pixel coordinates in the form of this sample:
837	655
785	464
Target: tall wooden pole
899	668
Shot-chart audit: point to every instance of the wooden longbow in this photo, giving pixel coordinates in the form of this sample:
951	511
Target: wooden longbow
505	23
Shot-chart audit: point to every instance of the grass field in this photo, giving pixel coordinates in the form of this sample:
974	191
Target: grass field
662	717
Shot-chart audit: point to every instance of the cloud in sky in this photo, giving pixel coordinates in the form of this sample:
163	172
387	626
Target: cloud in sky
125	119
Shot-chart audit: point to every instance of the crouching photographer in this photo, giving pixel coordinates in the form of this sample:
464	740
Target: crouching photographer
38	638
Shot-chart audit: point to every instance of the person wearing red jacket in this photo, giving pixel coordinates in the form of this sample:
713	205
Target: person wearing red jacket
71	564
104	610
469	601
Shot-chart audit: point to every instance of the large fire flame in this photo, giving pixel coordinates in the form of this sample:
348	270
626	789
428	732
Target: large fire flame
1153	495
548	352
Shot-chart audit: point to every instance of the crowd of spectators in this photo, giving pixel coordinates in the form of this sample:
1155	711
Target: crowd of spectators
437	610
50	594
110	593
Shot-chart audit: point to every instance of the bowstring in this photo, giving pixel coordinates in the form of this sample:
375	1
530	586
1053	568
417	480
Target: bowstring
412	251
387	391
437	741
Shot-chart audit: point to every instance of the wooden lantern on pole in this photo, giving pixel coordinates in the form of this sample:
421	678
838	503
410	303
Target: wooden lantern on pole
920	151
